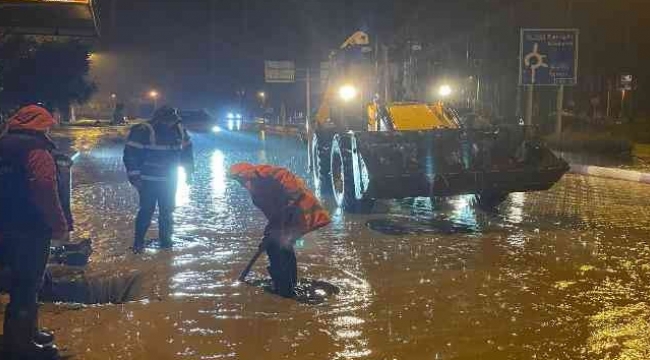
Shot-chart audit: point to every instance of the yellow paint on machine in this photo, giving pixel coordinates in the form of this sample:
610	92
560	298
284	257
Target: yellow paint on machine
417	116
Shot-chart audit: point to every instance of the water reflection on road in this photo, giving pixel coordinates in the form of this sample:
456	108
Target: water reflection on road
562	274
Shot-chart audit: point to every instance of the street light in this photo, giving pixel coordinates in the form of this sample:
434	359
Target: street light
154	95
262	96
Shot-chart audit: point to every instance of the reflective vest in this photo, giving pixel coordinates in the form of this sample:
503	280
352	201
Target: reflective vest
283	197
154	152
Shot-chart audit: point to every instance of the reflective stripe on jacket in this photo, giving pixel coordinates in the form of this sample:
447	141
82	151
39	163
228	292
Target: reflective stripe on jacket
155	151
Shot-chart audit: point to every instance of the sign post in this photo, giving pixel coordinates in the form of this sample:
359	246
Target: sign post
625	85
308	124
548	57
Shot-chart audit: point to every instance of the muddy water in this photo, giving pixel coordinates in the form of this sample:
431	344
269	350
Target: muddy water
562	274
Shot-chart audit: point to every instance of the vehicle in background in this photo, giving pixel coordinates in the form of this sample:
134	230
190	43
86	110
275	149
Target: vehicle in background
232	121
197	120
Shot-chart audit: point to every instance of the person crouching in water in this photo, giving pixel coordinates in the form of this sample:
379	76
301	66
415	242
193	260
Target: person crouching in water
152	155
292	211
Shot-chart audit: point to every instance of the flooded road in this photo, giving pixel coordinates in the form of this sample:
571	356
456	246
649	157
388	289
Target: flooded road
562	274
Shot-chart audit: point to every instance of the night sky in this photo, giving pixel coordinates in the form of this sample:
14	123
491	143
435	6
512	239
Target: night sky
199	53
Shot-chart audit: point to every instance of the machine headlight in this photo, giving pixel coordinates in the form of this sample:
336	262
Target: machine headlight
216	129
348	92
444	90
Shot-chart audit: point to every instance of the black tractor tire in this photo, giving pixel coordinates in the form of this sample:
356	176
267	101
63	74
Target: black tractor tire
440	203
342	177
320	154
490	200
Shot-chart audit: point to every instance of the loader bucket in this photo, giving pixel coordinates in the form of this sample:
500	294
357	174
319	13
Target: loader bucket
500	160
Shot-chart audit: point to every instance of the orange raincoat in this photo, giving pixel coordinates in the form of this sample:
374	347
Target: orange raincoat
290	207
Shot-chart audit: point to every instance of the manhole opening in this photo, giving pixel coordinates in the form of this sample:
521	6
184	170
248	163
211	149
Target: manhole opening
70	285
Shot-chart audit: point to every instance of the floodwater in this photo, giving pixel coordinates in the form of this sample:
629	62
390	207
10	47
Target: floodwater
562	274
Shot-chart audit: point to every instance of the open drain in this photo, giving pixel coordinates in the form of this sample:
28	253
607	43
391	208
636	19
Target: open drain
74	285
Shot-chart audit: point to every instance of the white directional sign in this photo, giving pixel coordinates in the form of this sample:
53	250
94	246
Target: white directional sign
279	71
548	57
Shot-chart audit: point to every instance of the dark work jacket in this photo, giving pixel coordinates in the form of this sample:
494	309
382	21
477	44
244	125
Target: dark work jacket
29	197
154	152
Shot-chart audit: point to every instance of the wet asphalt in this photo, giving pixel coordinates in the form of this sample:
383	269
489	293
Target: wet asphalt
560	274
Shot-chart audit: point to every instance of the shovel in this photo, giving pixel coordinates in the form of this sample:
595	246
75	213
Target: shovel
260	250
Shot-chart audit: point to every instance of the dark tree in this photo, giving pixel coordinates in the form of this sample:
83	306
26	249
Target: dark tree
43	70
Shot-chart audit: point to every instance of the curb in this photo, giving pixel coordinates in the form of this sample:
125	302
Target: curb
611	173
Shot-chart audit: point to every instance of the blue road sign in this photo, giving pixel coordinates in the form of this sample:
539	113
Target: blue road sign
548	57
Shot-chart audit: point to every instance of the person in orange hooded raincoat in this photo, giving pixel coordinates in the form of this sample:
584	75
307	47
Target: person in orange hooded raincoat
292	211
30	217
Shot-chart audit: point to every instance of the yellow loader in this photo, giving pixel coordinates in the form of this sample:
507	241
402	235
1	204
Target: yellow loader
363	149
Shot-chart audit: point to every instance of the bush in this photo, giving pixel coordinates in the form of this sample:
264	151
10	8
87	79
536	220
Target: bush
637	131
591	142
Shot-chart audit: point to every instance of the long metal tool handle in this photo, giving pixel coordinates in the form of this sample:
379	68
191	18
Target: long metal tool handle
248	268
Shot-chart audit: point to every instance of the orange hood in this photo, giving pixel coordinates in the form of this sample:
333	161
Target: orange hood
31	117
275	190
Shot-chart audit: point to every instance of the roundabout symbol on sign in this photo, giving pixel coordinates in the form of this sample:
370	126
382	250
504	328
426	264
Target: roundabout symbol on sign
534	61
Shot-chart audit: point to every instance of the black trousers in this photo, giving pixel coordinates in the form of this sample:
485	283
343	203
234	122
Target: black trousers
162	193
283	267
24	254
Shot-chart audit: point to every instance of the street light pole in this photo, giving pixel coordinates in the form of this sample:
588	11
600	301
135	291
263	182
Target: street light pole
559	109
528	119
262	96
153	94
308	124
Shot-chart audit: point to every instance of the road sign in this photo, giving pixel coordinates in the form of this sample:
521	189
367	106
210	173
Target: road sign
279	71
548	57
626	82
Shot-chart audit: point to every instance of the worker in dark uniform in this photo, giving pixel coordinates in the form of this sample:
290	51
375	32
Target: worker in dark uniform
153	154
30	218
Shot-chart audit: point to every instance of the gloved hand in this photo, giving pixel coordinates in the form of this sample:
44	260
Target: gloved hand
136	181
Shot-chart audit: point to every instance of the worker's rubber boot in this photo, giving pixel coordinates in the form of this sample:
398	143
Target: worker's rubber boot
138	246
22	341
165	230
32	351
166	243
282	285
44	338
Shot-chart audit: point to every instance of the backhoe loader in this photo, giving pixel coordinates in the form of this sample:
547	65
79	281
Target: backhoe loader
363	148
